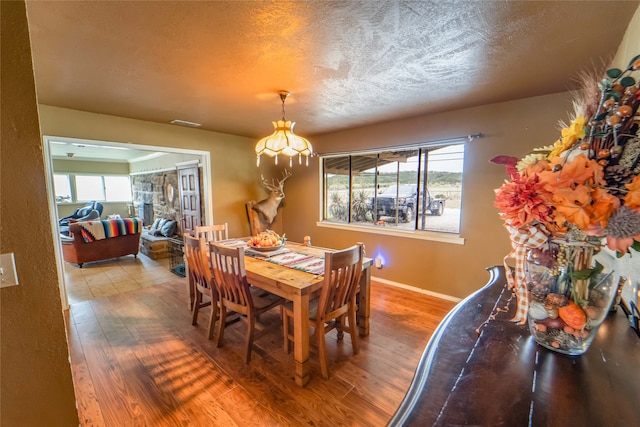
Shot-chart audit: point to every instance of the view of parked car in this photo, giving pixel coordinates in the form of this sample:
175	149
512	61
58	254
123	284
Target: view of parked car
403	202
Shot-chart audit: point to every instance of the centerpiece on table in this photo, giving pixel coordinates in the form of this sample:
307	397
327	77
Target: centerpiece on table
565	200
267	241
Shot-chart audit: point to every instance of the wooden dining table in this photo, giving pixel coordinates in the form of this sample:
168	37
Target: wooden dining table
299	287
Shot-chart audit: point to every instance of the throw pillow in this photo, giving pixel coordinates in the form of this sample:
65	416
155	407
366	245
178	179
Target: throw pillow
155	224
169	228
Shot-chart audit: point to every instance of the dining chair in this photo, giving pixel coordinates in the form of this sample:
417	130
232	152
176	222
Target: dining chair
202	280
235	294
335	308
213	233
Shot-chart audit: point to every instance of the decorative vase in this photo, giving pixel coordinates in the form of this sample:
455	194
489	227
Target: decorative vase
569	295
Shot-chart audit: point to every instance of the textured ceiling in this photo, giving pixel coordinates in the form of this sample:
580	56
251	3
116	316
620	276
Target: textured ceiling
347	63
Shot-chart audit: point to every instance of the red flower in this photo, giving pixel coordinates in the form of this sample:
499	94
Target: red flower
524	200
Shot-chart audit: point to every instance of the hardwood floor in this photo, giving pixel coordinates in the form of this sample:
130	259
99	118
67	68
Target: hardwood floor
138	361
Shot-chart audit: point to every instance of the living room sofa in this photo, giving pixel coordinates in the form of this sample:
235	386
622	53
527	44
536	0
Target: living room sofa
102	239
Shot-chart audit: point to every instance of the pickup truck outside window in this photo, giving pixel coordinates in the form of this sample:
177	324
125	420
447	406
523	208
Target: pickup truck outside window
416	189
403	202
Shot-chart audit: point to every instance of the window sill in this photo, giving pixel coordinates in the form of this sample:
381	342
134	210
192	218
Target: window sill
434	236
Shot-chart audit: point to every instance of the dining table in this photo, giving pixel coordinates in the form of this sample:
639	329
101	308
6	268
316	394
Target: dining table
293	282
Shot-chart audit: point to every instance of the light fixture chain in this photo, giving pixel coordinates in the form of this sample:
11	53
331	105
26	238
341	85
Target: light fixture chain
283	108
283	98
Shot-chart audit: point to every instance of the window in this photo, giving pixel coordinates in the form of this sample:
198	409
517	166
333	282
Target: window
62	188
89	187
419	188
117	188
83	188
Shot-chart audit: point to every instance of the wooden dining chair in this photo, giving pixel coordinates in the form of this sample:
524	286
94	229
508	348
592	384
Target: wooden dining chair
237	295
335	308
213	233
202	280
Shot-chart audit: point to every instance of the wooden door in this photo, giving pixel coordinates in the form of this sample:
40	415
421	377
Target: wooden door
190	209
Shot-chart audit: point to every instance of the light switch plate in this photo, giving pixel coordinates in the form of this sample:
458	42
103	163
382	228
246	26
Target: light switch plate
8	273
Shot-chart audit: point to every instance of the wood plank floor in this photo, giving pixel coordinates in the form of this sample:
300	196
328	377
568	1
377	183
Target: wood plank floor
138	361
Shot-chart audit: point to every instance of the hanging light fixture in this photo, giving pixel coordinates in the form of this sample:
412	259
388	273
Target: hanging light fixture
283	140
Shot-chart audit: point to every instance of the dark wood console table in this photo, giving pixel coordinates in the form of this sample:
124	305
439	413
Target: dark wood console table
502	377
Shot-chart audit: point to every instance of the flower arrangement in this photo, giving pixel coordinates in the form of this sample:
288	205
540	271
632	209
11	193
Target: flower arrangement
588	181
585	187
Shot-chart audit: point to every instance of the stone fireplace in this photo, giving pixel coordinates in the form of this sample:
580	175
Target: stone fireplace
155	195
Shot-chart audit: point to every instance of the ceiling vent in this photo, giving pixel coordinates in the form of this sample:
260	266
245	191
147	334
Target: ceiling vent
185	123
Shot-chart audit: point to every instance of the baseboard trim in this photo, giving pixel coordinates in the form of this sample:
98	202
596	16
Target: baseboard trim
418	290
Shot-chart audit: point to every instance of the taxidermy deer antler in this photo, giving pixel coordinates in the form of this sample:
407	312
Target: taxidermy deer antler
269	206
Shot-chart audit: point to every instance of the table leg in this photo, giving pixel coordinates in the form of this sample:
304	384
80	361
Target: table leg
301	339
364	309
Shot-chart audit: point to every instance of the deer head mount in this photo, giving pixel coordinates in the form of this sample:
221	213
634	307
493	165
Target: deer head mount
269	206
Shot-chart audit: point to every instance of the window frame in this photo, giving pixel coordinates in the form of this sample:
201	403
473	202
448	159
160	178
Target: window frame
421	173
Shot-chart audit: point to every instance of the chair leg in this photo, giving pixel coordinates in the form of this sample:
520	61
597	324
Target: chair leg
212	320
196	308
222	321
340	326
353	330
251	325
322	351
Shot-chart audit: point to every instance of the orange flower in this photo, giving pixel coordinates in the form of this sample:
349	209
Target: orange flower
577	171
585	207
574	204
632	199
603	206
620	245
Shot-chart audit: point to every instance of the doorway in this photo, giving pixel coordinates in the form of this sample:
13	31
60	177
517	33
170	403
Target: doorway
74	148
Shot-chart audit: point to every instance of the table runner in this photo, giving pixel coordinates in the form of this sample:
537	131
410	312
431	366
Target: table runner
233	243
264	254
285	257
299	261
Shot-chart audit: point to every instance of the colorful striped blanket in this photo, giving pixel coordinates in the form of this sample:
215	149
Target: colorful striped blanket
98	230
299	261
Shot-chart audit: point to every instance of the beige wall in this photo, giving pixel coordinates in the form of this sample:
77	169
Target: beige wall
90	167
36	385
630	45
167	161
234	176
510	128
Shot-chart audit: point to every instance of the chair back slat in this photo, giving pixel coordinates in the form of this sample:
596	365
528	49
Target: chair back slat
197	262
213	233
230	276
341	276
